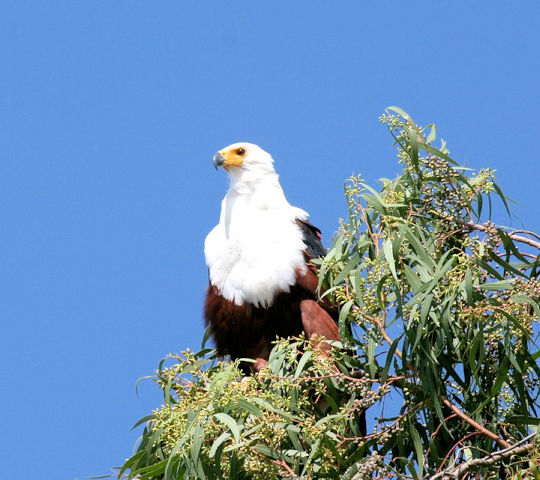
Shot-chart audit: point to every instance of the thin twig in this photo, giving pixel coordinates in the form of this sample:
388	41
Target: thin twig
379	323
470	421
459	442
530	255
281	463
384	430
374	240
434	434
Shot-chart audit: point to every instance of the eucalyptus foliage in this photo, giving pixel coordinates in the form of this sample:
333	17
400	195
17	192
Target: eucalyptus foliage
438	311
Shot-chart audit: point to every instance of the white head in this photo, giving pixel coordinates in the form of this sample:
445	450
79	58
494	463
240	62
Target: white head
245	162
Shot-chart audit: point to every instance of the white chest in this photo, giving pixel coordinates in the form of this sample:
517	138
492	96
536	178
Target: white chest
255	250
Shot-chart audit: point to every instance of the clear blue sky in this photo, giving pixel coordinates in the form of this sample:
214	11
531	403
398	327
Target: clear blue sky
110	114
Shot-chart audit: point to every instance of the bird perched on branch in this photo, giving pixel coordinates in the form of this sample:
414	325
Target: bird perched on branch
262	283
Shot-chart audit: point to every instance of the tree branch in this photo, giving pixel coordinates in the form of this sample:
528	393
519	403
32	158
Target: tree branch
477	226
527	232
512	235
487	461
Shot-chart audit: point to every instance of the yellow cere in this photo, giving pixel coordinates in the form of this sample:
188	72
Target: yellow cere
234	157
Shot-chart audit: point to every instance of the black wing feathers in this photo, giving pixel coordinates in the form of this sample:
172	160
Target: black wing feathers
312	239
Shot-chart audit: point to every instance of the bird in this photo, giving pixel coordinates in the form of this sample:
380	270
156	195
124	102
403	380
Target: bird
262	282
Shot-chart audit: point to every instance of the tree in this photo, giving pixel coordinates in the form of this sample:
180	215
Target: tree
438	311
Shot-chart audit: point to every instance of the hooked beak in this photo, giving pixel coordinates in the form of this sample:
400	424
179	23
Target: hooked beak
219	160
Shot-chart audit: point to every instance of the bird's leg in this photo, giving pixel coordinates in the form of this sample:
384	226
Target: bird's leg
259	352
259	364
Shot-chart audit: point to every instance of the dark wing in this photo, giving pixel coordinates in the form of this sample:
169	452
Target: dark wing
312	239
314	249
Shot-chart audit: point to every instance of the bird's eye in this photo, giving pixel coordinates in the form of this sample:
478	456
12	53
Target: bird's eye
240	151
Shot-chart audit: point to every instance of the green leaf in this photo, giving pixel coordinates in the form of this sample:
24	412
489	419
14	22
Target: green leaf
523	420
412	278
150	470
196	442
293	435
400	112
420	249
376	202
372	364
314	452
414	144
503	197
248	407
426	306
350	266
506	265
264	403
128	464
231	423
438	153
148	418
418	448
343	324
500	379
302	363
218	442
388	253
267	451
499	286
432	133
389	358
467	282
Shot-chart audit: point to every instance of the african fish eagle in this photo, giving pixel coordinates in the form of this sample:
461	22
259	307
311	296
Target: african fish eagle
262	283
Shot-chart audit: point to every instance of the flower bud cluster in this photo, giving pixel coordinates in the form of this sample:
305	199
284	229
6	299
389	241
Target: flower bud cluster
492	236
372	464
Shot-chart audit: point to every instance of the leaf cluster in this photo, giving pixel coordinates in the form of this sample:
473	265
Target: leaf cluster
300	416
442	297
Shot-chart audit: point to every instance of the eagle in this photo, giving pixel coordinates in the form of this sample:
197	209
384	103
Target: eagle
262	283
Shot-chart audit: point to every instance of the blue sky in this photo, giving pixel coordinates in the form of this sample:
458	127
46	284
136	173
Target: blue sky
110	114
